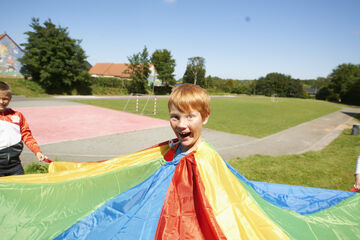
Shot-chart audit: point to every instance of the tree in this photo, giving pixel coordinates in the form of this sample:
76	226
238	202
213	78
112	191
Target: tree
321	82
325	93
54	60
229	85
140	71
209	82
195	71
280	84
164	65
345	82
242	87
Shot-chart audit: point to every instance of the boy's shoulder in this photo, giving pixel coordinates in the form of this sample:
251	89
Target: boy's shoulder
13	115
10	111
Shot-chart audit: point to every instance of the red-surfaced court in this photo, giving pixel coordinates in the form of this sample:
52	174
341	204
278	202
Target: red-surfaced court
66	123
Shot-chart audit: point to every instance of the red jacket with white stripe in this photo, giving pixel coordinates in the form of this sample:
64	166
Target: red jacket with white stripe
14	129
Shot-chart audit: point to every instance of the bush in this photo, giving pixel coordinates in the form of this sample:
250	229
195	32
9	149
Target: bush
109	86
162	90
323	93
35	167
109	82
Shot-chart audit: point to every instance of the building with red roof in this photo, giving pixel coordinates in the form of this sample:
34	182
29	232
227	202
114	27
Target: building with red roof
120	70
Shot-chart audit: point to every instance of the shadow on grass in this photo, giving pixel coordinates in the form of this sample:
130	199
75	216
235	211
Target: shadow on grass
357	117
353	114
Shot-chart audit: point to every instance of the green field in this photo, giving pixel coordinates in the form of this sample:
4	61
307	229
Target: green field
246	115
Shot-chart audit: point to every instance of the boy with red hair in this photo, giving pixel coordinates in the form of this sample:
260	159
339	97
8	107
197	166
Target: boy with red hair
189	108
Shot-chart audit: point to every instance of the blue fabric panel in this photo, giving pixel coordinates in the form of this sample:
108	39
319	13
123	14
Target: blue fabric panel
303	200
133	214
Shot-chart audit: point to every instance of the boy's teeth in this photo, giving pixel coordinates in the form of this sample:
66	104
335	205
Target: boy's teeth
184	134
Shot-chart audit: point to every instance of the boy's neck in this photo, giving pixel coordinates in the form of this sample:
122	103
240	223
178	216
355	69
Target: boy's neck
197	144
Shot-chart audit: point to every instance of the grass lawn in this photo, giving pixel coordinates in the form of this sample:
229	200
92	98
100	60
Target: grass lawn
254	116
24	87
332	168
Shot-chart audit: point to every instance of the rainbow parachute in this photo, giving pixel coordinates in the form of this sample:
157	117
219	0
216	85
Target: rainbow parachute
150	195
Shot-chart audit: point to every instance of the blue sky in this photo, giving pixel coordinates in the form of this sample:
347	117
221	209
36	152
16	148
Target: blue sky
238	39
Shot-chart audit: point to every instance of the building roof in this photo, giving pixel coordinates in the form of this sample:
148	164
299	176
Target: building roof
5	34
311	90
110	69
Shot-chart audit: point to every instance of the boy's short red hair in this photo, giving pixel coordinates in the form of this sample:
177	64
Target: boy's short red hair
189	97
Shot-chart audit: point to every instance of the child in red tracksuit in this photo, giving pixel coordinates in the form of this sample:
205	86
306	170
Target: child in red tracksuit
357	174
14	130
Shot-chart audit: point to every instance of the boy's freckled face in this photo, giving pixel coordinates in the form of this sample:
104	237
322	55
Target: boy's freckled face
5	98
187	127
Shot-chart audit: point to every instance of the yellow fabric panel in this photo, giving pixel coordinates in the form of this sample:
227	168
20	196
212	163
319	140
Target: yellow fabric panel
237	214
65	171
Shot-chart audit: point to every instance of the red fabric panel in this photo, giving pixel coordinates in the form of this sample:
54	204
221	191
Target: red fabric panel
169	156
186	213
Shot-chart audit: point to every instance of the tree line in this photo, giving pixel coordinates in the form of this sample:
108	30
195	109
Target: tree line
58	63
342	85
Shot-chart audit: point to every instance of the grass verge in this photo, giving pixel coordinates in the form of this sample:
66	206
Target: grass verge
27	88
332	168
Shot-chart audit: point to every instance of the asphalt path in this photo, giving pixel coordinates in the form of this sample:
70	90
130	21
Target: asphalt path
309	136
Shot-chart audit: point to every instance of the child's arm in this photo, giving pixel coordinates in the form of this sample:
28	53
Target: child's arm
29	140
357	174
357	181
41	157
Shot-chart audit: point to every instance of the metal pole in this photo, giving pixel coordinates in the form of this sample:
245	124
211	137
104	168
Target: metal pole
137	103
155	106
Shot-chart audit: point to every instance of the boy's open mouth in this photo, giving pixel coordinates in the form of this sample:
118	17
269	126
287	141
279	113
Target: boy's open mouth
184	135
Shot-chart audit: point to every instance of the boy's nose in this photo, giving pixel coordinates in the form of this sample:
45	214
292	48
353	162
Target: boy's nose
182	123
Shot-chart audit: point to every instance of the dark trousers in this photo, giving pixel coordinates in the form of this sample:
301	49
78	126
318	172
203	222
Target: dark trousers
10	163
12	169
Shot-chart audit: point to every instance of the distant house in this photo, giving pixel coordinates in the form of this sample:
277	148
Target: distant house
10	52
311	91
120	70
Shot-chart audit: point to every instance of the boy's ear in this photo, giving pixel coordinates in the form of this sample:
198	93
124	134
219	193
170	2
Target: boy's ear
206	119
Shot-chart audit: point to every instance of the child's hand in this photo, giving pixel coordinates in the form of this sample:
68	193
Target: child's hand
357	181
41	156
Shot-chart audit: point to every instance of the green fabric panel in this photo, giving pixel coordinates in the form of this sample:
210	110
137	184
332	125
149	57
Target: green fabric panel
338	222
43	211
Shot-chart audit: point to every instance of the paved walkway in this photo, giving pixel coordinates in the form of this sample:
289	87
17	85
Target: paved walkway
312	135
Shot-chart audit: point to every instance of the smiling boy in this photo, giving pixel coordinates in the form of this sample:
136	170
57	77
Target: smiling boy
189	108
14	130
